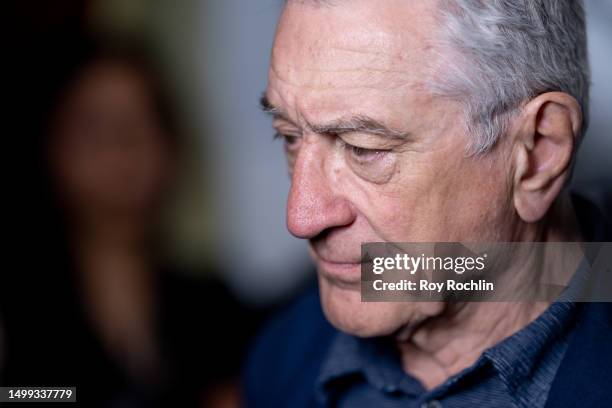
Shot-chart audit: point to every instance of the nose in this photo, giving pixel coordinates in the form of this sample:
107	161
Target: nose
313	204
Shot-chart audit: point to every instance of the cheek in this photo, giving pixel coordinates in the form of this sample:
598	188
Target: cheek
438	200
408	208
470	202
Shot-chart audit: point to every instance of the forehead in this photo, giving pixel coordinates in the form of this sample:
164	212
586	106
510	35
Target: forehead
324	55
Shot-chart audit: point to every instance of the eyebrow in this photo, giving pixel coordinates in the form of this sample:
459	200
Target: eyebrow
358	123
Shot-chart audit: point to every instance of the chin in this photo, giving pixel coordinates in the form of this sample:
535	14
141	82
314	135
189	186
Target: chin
344	309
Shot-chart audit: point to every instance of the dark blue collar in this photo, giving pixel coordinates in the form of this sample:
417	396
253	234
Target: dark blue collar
516	361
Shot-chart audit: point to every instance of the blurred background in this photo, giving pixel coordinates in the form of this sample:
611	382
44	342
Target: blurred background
149	240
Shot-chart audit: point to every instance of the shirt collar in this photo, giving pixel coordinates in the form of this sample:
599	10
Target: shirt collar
518	359
375	360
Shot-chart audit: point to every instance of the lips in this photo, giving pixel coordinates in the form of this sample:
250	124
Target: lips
338	262
337	270
321	253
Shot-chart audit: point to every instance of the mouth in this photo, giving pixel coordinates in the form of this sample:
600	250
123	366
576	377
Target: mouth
339	272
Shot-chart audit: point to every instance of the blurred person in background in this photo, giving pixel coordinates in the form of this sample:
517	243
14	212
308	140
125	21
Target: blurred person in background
94	305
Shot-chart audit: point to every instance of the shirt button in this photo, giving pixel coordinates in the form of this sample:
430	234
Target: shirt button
432	404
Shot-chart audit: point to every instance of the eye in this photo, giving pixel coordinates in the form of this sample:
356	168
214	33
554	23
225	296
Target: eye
291	141
361	154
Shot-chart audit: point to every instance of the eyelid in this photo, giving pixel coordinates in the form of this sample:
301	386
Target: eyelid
346	145
284	135
368	141
282	123
286	129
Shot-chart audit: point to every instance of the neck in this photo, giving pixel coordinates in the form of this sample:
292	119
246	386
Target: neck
445	344
118	289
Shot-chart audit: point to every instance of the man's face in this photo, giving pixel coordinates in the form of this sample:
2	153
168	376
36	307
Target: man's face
373	156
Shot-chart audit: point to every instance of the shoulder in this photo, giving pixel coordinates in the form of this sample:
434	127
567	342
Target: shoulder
584	376
285	359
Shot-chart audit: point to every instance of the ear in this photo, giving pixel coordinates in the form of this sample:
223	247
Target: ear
548	128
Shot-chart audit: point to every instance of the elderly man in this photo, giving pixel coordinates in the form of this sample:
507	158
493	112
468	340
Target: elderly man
429	121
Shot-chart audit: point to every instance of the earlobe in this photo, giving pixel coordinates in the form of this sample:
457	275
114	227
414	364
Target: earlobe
543	152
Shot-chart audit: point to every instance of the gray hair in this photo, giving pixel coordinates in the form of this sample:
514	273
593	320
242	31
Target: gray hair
497	54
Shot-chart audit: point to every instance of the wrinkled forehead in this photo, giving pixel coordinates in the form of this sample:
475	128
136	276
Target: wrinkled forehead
347	43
